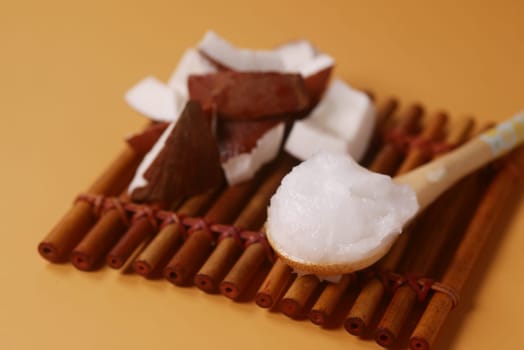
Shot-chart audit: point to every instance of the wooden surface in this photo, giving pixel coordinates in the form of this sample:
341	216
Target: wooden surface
64	68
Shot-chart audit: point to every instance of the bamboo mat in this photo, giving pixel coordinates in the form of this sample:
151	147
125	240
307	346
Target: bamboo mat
213	241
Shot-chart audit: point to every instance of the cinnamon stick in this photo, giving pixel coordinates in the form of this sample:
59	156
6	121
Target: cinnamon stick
136	233
369	298
73	226
216	266
294	301
143	228
229	248
165	242
391	153
446	212
186	262
244	270
96	243
384	115
189	258
273	285
485	219
418	153
328	300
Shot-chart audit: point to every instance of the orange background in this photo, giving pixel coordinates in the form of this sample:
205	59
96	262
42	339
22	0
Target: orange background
64	67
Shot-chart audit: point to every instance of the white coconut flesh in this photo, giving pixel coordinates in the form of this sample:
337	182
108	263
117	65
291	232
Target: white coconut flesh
294	57
342	122
296	54
315	65
138	180
154	99
220	50
331	216
243	166
192	62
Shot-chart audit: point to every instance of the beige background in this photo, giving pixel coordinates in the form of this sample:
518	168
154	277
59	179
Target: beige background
64	67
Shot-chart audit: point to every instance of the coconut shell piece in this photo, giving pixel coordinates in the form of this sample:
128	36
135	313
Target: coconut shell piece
317	82
235	137
252	95
187	165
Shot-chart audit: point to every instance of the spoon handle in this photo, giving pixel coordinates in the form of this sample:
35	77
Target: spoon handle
432	179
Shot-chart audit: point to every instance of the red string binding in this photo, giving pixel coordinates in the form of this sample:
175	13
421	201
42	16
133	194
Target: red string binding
96	202
423	144
399	139
442	147
169	218
252	237
197	224
116	204
403	142
226	231
449	291
144	211
392	281
421	285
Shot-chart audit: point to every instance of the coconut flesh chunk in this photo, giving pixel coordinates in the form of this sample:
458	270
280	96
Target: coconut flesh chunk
315	65
192	62
162	102
243	166
296	54
241	60
154	99
294	57
138	180
331	216
342	122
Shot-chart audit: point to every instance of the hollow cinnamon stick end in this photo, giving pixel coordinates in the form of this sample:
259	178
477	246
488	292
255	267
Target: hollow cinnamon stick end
50	252
142	268
318	317
418	343
290	308
384	337
206	283
114	261
355	326
82	261
264	300
229	290
176	275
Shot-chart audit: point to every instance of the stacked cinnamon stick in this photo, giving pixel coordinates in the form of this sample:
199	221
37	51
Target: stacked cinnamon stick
215	240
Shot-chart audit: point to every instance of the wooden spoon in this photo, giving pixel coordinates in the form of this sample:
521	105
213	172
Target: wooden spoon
429	182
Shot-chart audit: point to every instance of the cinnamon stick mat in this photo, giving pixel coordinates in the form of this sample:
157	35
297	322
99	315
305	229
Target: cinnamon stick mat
215	241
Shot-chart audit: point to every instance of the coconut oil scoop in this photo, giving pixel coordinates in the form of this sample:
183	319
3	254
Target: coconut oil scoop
330	216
